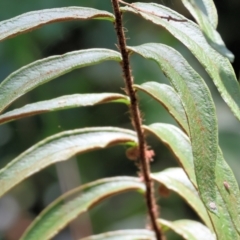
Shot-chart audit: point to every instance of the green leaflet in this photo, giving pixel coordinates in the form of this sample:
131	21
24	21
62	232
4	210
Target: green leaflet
212	36
169	133
207	7
168	98
42	71
188	229
227	203
178	142
217	66
228	189
67	207
32	20
199	108
61	147
135	234
176	180
174	138
60	103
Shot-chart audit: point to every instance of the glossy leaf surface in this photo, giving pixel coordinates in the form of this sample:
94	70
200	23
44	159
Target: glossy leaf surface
32	20
61	147
67	207
42	71
138	234
176	180
60	103
218	67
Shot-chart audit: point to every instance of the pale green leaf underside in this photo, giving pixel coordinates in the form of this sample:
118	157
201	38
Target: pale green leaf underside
42	71
227	202
207	7
135	234
31	20
168	97
61	147
199	108
60	103
212	36
217	66
66	208
176	180
188	229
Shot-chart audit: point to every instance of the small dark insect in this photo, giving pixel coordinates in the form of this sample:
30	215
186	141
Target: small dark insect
226	185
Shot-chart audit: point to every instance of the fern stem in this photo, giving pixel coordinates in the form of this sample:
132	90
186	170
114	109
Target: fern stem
137	122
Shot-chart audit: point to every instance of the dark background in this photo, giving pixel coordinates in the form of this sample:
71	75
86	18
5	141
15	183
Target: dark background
25	201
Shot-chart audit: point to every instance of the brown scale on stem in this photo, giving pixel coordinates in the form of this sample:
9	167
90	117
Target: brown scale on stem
133	153
143	159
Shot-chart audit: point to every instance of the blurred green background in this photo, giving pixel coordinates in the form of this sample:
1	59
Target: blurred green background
26	201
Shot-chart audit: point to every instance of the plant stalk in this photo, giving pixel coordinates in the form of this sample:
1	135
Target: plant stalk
144	164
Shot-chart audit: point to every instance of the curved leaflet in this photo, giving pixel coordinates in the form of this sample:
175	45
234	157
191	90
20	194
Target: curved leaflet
60	103
169	98
176	180
227	203
199	108
212	36
217	66
188	229
61	147
67	207
32	20
42	71
135	234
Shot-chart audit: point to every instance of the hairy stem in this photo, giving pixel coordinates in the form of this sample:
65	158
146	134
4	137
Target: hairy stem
137	123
